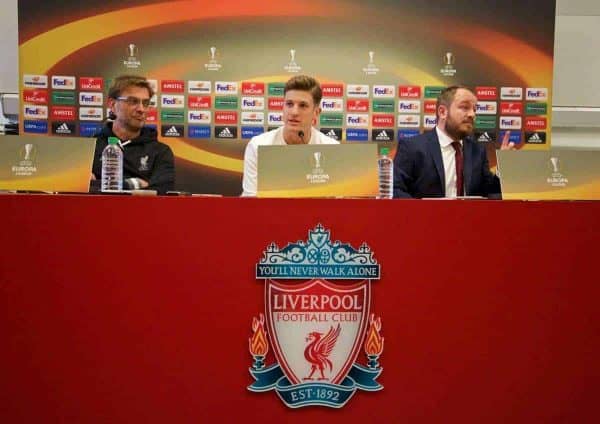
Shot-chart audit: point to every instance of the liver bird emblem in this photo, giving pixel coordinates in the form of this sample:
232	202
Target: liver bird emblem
318	350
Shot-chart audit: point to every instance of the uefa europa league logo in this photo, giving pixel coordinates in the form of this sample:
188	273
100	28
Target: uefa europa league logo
371	68
28	150
292	66
554	162
448	70
132	61
317	157
213	64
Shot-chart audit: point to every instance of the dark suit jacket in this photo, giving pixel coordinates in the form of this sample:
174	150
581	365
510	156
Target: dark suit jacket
419	169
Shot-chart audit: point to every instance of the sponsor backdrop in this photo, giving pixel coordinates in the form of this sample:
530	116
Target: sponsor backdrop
219	69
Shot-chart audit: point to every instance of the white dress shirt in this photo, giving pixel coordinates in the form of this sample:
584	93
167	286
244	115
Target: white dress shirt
449	161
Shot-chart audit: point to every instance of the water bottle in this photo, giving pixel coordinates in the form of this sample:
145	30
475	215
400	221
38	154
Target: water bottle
386	175
112	166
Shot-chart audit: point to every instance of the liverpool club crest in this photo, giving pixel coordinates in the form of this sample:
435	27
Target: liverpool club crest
316	329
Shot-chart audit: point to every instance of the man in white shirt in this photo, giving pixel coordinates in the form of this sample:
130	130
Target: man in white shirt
301	109
447	162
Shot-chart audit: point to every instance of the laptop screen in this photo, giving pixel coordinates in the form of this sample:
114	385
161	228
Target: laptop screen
558	174
39	163
318	170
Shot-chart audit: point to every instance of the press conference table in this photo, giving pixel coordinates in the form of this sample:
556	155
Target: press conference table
137	309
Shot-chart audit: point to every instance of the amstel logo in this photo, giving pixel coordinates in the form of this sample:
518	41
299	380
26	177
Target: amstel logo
316	329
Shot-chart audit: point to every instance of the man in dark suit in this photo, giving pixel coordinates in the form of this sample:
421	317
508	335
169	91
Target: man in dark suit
446	162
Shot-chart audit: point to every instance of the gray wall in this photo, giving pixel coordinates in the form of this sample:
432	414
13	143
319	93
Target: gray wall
576	94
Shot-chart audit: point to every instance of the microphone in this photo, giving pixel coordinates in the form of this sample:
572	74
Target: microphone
301	135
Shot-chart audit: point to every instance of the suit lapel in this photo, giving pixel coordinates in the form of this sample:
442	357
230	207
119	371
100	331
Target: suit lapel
433	146
467	164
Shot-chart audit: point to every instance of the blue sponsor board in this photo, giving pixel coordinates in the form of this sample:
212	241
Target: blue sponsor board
89	129
36	127
199	131
357	135
249	132
514	137
407	134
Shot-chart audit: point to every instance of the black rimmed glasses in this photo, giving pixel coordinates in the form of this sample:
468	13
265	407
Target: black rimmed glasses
134	101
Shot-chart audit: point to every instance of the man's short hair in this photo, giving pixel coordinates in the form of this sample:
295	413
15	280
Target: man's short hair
122	82
446	97
305	83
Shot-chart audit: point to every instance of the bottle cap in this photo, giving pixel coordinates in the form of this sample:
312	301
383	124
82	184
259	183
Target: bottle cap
113	140
384	150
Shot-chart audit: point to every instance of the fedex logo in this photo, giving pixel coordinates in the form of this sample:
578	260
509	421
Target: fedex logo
534	124
199	87
253	103
172	86
486	93
357	90
35	112
357	105
383	120
357	120
253	118
91	99
487	108
332	105
510	123
511	108
276	118
409	121
429	121
63	112
91	83
172	101
409	91
253	88
199	117
35	81
64	83
199	102
35	96
429	106
275	103
537	94
511	93
384	91
226	117
409	106
226	87
332	90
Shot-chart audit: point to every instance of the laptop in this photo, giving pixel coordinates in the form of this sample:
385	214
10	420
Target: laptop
318	170
557	174
48	164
